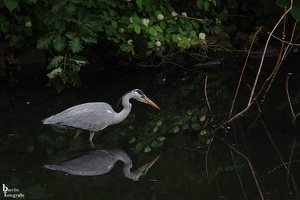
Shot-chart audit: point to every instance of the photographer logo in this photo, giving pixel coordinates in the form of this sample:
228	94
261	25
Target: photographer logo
12	193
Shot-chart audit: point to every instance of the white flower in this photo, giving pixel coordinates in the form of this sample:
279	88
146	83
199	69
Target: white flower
155	129
131	20
174	13
184	14
159	123
147	149
131	141
130	43
161	138
158	43
121	30
160	17
145	22
202	36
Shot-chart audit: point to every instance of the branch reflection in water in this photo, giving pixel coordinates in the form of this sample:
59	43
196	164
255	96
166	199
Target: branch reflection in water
98	162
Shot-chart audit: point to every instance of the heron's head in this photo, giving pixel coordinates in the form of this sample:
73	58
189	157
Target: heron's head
140	96
142	171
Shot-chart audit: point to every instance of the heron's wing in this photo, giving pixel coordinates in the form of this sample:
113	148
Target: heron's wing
88	116
94	163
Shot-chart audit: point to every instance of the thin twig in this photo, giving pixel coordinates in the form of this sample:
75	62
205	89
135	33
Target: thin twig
205	94
181	16
242	73
286	163
206	156
252	98
288	95
238	174
249	163
288	172
290	42
264	52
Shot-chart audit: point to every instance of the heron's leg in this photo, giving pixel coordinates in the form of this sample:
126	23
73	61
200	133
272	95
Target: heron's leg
92	146
92	133
77	134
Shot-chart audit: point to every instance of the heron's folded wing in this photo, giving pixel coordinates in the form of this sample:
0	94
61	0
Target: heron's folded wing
89	116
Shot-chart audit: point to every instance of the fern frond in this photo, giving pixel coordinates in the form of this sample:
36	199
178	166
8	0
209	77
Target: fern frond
55	62
45	41
75	45
89	39
59	43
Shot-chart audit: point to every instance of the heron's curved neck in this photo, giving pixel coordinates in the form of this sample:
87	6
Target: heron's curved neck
126	109
122	156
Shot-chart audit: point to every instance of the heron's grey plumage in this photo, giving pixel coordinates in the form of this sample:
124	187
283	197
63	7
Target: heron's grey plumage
88	116
97	115
100	162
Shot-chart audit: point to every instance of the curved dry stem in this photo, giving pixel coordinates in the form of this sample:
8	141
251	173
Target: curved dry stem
288	96
242	73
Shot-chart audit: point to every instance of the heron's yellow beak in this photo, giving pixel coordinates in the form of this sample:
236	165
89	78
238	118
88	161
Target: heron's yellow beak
151	103
152	162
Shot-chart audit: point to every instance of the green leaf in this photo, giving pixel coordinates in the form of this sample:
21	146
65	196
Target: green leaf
193	33
75	45
154	143
206	5
55	62
163	25
89	39
114	24
152	31
44	42
158	29
229	168
75	78
188	26
59	42
151	44
137	29
11	4
139	3
138	147
196	127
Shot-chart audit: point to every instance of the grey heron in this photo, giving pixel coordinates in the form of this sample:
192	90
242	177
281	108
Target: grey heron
100	162
96	116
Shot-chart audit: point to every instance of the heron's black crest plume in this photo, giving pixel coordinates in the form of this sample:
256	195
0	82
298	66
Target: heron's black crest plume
140	92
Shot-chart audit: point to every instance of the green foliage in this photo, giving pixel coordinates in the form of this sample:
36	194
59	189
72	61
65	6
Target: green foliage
295	10
186	119
139	27
65	70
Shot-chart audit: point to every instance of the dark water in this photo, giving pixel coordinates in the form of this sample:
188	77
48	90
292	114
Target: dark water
180	173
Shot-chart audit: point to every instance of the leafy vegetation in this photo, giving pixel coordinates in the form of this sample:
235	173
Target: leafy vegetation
139	28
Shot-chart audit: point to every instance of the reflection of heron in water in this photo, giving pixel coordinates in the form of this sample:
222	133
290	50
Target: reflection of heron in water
100	162
96	116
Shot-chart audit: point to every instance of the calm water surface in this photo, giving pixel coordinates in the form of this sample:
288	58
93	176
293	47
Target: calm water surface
26	145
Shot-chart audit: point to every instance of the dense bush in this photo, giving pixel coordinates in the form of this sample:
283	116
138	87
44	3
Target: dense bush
139	28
